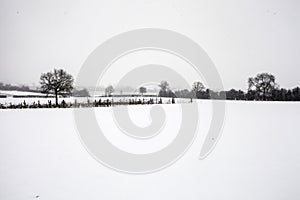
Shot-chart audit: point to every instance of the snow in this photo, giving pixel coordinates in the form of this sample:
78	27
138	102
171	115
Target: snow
21	93
257	157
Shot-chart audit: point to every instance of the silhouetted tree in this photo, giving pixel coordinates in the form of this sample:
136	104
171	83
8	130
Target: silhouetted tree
296	94
198	89
109	90
263	84
235	95
143	90
206	94
58	81
198	86
165	90
289	95
164	86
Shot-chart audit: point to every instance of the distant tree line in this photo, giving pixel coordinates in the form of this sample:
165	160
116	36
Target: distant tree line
262	87
24	88
80	92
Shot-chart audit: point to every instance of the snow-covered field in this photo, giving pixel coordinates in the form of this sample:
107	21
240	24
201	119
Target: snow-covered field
22	93
28	100
257	157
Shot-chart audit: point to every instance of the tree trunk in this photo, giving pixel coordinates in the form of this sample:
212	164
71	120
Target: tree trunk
56	99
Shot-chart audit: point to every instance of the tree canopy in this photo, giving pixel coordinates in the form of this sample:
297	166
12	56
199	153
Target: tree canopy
58	82
263	84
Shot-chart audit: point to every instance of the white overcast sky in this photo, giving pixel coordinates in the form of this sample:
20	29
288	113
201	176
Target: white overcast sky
241	37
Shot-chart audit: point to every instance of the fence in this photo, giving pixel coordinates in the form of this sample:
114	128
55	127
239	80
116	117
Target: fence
91	102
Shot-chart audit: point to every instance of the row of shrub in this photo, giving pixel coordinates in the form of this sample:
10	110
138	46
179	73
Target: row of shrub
95	103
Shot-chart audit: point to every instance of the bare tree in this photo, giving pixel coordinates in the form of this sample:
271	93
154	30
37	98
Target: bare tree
165	90
263	84
198	87
109	90
164	86
143	90
58	82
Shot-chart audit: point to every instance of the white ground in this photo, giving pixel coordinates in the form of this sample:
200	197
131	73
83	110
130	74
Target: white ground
257	157
30	100
21	93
